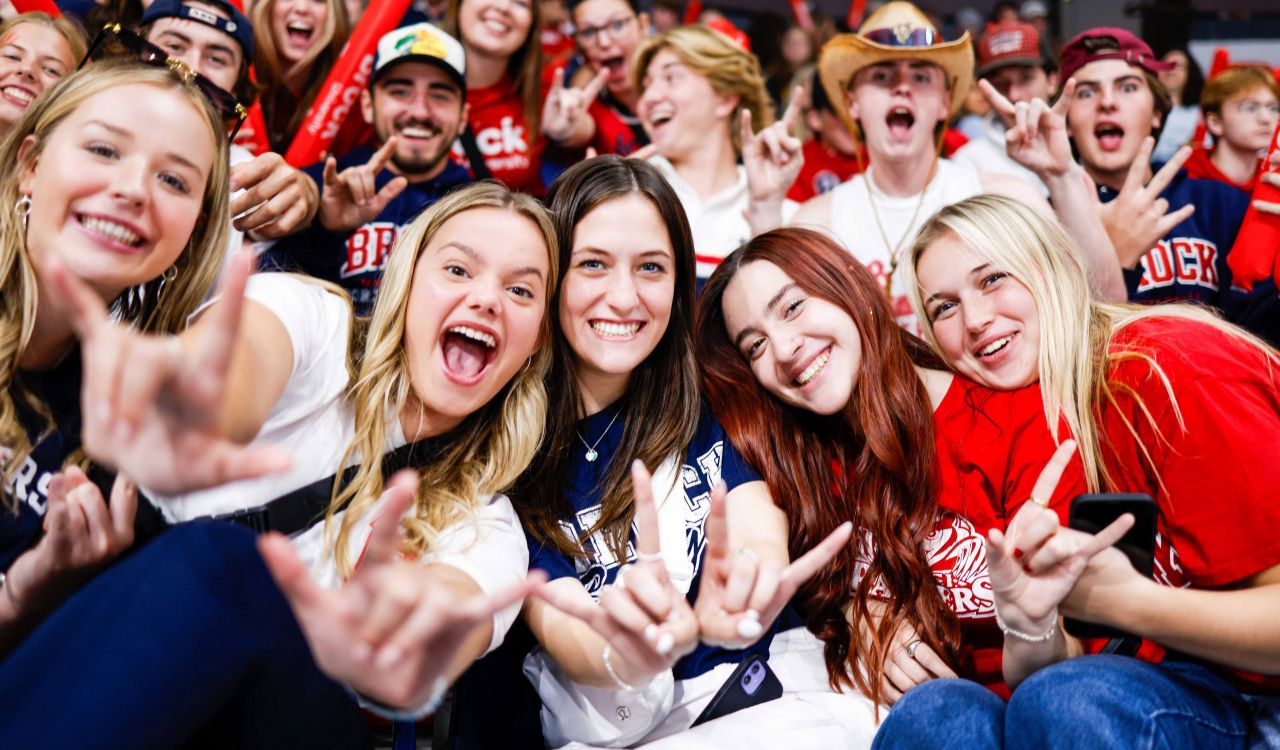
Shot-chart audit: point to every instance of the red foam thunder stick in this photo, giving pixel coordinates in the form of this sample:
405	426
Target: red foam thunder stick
44	6
340	94
1253	256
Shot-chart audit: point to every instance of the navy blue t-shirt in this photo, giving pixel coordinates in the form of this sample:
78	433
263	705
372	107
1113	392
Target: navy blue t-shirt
1190	263
355	260
59	389
709	459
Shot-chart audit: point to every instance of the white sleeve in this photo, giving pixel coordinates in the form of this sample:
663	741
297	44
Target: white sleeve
490	548
598	717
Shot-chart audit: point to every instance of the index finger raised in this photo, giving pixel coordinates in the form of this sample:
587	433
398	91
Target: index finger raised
999	102
792	112
594	86
383	155
1047	483
1064	98
1162	178
648	542
1138	169
812	561
385	536
87	311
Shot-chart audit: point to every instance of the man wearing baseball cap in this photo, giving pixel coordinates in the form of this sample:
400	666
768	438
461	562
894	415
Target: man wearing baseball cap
1171	233
416	103
216	40
1011	58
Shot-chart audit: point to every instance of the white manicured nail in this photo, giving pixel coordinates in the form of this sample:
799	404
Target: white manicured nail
748	628
665	644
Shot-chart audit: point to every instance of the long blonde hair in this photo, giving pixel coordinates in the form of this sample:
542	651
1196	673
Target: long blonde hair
156	305
491	448
1077	350
729	68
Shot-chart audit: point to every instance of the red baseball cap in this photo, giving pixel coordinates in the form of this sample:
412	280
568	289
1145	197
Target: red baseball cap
1009	43
1131	49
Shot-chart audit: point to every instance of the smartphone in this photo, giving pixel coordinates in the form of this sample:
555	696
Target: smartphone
1093	513
751	684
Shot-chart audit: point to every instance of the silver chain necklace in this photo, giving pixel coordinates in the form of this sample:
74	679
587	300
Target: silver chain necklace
591	454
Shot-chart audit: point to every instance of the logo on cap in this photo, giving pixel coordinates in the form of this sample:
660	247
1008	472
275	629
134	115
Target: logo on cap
1005	42
423	42
204	16
903	33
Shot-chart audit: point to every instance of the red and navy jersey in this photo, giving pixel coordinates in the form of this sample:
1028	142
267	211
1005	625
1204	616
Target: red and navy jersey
1190	263
618	130
355	260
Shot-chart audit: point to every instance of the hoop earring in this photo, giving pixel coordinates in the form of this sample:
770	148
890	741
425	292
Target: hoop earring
169	274
23	210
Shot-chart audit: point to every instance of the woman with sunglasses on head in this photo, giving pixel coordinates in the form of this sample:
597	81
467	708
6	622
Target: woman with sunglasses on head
851	418
620	662
504	89
1169	401
297	42
36	50
600	114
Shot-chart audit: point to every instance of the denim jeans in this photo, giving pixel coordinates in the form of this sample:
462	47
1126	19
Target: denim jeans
1101	701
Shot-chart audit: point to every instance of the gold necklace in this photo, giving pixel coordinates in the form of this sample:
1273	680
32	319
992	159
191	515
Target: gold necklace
895	251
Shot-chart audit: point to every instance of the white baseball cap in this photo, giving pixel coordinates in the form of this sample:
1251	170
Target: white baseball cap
421	42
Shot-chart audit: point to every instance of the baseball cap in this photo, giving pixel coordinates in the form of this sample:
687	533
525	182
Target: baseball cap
1009	43
236	25
1132	50
421	42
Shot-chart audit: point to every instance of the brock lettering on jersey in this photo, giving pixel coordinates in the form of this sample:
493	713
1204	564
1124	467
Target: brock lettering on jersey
503	147
368	248
1182	260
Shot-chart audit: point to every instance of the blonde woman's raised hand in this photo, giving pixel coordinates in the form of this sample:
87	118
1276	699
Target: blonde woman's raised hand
152	405
643	617
392	630
1036	133
1036	561
740	595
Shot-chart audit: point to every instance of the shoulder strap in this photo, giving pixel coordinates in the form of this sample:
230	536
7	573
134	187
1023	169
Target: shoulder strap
474	157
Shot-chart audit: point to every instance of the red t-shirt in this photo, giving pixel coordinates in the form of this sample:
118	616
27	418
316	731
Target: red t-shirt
823	169
1201	167
1214	475
617	131
512	155
992	446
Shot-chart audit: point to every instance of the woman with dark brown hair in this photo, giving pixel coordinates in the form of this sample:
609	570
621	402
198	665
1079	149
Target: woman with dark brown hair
847	417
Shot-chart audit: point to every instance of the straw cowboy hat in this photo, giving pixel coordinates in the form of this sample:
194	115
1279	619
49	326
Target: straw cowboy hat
896	31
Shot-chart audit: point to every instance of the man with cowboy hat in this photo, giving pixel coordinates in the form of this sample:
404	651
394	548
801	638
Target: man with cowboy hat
900	83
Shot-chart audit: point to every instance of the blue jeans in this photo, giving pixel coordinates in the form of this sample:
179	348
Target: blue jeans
1099	701
185	643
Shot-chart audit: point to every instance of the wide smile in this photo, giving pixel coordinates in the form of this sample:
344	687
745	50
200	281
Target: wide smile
994	350
467	351
300	33
616	330
813	368
414	133
18	96
117	236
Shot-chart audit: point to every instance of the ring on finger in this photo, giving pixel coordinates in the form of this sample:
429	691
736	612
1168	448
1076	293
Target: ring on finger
1038	501
912	646
649	557
749	553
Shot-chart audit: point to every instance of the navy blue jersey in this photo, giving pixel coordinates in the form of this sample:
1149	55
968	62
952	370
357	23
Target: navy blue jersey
709	459
1190	263
59	389
354	260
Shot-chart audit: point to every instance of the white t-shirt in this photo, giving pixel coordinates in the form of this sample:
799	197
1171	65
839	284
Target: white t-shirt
314	423
856	223
986	152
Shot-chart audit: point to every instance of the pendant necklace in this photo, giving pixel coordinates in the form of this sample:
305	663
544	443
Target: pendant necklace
895	250
591	455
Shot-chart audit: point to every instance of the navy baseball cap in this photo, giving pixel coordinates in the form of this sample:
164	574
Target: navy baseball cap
237	26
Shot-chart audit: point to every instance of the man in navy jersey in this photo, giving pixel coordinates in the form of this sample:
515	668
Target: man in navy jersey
416	103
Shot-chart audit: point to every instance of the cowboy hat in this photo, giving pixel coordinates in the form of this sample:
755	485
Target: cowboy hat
896	31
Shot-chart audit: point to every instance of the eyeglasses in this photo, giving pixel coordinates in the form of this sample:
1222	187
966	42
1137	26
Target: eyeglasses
133	45
590	34
1253	107
902	36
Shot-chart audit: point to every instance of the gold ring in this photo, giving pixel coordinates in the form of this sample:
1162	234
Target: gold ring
1038	501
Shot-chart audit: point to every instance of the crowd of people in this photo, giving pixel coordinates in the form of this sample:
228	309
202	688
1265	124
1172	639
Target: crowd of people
618	386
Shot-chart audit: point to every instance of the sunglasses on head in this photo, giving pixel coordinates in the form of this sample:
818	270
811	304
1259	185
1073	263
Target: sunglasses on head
902	36
116	41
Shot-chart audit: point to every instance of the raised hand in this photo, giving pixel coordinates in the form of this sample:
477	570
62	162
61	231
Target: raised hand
1036	562
152	405
351	198
81	533
645	619
773	158
740	595
1036	133
392	631
565	108
278	199
1271	176
1137	218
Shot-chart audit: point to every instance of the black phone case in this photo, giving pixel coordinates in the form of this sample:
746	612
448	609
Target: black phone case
751	684
1093	513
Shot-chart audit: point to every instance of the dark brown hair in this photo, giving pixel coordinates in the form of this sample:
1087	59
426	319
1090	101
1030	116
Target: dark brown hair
661	407
872	463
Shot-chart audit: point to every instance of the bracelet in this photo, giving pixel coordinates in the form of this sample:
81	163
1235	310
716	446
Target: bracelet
438	691
1053	630
608	667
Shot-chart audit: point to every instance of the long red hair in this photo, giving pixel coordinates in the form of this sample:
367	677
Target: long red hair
872	463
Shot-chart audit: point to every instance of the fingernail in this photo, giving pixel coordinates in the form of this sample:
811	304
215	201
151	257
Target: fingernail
665	644
388	656
650	632
362	651
1017	553
754	615
749	628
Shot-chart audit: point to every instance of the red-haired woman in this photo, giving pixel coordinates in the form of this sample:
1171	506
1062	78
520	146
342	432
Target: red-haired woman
848	417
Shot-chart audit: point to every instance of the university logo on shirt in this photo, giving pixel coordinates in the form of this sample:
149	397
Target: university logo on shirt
958	560
1188	261
368	248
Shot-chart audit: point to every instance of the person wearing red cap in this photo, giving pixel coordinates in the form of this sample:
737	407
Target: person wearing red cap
1171	233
